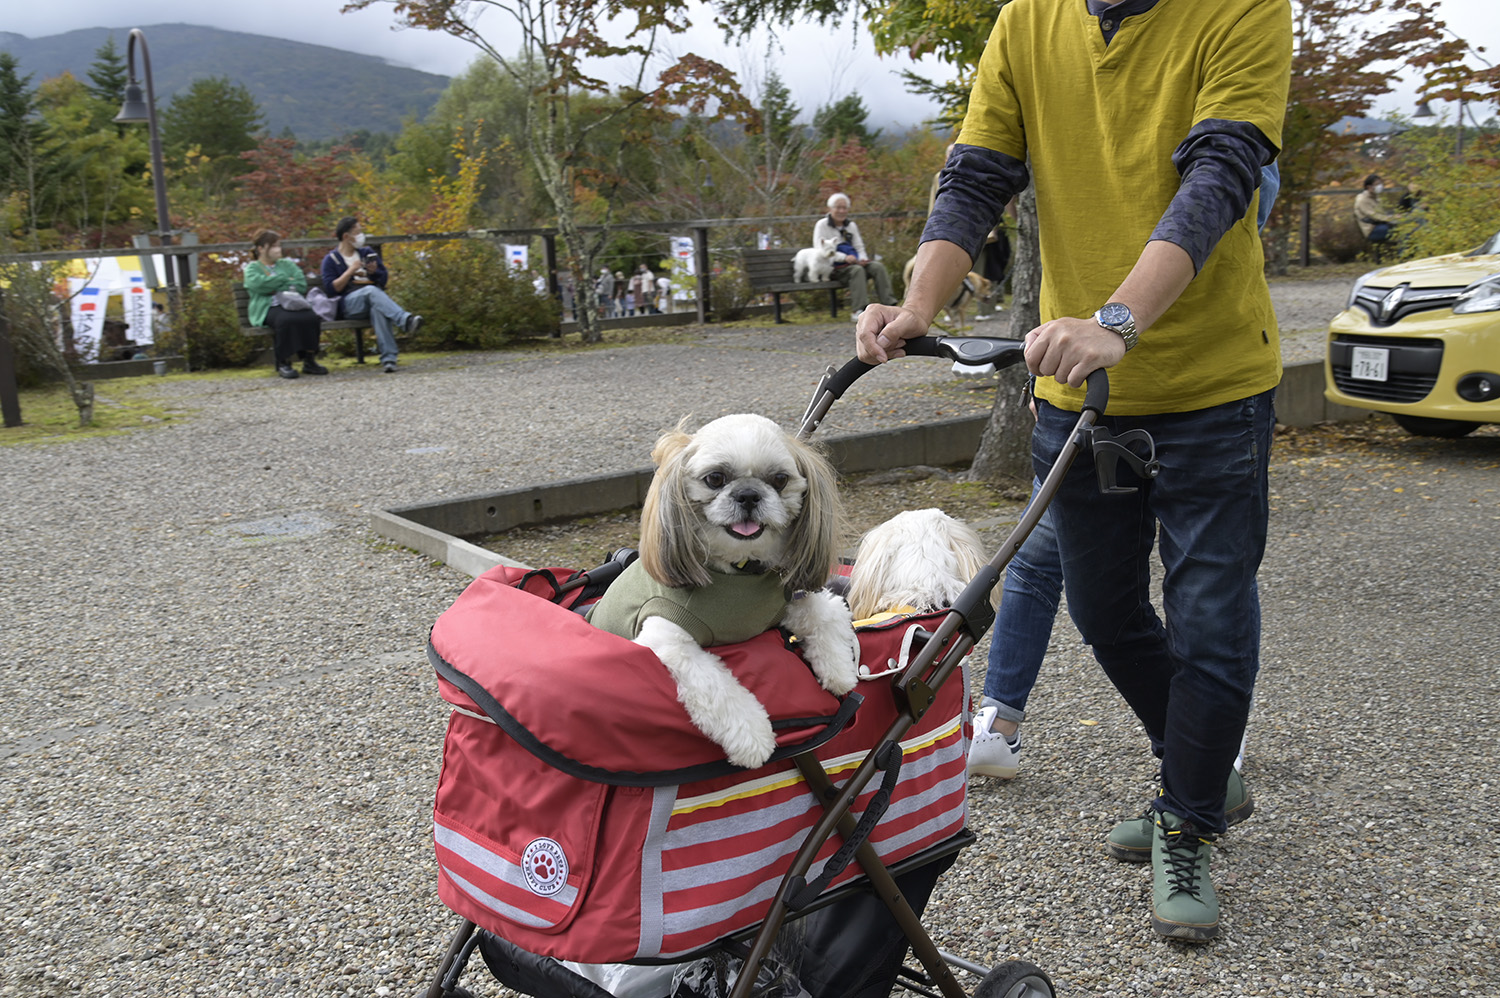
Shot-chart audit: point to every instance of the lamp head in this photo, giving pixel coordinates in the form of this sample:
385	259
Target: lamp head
134	110
1424	110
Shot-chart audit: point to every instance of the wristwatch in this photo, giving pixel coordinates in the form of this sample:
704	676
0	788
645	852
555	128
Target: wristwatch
1117	319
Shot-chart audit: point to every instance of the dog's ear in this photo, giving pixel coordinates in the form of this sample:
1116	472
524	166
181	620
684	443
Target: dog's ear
671	551
815	537
669	445
970	553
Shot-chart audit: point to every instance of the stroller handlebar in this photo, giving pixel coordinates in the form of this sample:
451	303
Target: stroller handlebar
971	351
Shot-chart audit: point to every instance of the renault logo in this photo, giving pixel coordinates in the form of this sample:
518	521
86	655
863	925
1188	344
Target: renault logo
1391	302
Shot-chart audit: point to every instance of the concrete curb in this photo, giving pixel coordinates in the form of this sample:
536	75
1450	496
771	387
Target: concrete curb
436	529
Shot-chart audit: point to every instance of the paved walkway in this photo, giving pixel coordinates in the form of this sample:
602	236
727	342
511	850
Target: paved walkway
220	737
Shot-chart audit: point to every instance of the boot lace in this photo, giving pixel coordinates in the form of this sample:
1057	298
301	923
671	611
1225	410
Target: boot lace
1182	846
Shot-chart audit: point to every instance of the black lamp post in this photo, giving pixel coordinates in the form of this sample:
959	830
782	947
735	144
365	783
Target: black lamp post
135	111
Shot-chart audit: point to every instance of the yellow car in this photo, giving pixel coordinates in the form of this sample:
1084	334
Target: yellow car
1421	341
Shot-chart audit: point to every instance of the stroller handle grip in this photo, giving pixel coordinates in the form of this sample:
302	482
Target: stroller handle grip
1096	395
971	351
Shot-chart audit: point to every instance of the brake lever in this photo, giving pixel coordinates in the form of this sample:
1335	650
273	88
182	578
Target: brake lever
1109	450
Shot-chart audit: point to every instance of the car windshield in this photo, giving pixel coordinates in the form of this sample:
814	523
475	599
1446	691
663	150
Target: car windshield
1491	246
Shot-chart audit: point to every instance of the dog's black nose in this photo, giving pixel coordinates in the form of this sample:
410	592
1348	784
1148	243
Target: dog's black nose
748	498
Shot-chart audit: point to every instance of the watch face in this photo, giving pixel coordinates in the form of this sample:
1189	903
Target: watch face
1114	314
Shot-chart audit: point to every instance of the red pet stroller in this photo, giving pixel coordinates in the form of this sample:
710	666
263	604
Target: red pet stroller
597	845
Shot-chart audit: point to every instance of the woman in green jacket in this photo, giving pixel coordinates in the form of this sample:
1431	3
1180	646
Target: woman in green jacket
294	332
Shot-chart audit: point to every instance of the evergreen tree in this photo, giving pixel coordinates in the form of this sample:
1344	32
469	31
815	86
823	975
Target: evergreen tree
215	115
215	119
21	145
778	113
108	74
18	127
845	119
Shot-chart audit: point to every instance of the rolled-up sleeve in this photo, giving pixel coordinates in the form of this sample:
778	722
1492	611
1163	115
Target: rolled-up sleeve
973	190
1219	163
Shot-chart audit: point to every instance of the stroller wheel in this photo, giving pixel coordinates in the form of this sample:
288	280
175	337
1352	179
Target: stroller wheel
1015	979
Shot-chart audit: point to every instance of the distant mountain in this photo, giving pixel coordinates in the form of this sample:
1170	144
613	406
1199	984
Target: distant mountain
1365	126
290	80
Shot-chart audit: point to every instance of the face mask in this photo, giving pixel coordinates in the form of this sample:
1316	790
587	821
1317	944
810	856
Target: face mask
359	239
1379	188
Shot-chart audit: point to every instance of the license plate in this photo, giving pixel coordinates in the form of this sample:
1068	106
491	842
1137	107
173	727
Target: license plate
1369	363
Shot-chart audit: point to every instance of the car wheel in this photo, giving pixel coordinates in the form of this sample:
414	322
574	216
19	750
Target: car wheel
1015	979
1422	426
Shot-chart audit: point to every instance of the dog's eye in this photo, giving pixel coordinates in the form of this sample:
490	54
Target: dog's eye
715	480
779	480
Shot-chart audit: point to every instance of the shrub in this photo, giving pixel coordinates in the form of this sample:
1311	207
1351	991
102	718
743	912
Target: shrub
32	311
470	299
1459	199
206	329
729	292
1336	236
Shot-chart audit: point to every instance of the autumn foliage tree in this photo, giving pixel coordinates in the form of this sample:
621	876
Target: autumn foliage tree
1347	54
298	197
544	47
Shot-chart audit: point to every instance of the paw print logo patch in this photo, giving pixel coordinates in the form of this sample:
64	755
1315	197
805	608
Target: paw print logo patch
545	867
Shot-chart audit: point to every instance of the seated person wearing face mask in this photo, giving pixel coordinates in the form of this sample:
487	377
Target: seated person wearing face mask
294	332
1375	222
354	275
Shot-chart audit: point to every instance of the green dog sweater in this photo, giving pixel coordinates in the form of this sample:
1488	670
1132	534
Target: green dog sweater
733	607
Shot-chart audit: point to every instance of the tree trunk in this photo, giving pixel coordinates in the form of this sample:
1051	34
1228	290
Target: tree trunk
1278	238
1004	455
585	295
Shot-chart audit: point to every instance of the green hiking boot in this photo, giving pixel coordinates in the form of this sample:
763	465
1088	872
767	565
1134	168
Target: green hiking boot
1183	903
1130	840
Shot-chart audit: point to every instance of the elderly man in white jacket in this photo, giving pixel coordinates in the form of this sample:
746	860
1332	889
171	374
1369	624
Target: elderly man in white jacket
851	264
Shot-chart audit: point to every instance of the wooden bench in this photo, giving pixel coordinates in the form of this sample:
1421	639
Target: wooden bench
242	308
770	272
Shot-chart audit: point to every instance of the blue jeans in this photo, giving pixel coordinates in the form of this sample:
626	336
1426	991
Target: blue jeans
1189	680
1023	625
383	312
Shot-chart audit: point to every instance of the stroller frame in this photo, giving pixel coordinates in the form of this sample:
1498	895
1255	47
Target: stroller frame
964	624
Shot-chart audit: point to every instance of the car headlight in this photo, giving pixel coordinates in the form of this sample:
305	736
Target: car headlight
1481	296
1359	283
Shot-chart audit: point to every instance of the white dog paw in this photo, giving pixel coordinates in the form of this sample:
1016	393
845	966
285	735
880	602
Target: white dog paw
715	701
823	622
750	742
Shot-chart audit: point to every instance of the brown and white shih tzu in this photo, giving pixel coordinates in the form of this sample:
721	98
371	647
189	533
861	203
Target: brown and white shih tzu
738	532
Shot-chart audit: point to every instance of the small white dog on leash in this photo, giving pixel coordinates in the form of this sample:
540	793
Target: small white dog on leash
920	560
738	532
815	263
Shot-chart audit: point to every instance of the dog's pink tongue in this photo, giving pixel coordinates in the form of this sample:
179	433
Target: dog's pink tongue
745	529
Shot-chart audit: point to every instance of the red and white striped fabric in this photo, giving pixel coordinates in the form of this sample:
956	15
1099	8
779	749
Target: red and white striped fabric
550	835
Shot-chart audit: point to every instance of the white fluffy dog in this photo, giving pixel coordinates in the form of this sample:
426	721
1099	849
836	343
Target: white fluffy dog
922	559
738	532
815	263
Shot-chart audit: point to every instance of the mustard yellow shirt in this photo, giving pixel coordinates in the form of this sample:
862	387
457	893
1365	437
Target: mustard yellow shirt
1099	124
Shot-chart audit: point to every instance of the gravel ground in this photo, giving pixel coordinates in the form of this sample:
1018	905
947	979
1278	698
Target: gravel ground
220	736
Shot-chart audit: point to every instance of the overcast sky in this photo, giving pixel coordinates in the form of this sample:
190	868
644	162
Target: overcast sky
817	64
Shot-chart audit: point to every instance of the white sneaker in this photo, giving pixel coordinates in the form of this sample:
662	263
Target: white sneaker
990	754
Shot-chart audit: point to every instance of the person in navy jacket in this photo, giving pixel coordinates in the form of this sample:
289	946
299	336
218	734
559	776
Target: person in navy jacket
355	277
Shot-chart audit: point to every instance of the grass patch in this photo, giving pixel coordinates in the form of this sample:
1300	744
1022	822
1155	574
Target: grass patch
121	405
632	336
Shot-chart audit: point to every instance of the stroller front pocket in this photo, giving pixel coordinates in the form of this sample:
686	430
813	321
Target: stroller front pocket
524	857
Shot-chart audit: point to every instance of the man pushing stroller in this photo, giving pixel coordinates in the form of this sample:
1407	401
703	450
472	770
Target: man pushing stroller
1146	176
